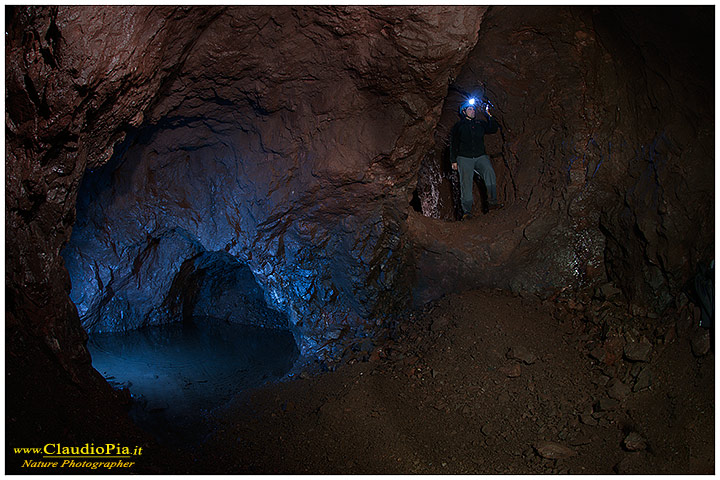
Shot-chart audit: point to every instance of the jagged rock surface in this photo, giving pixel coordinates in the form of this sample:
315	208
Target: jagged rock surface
290	139
601	112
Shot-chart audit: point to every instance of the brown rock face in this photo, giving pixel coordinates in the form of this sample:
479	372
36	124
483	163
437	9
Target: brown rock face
288	141
286	137
602	113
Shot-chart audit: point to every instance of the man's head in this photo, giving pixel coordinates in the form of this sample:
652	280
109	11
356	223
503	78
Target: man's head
469	108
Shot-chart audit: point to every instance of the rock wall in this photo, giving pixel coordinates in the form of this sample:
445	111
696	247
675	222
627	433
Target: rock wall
305	125
604	157
74	76
290	139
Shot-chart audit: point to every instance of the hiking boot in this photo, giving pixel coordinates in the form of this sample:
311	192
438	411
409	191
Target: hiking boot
466	216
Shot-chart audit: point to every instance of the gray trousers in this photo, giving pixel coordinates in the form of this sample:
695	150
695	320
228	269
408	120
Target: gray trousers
466	168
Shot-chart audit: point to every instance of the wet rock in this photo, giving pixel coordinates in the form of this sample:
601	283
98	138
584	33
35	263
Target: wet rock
634	442
700	342
618	390
553	451
247	191
522	354
644	380
638	351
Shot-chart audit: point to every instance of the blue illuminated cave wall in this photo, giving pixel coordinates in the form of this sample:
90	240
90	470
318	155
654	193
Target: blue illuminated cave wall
161	236
281	154
171	227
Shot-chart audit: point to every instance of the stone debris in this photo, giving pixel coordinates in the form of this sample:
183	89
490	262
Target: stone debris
700	342
618	390
439	323
608	291
606	405
522	354
511	371
635	442
588	419
580	438
644	380
638	351
553	451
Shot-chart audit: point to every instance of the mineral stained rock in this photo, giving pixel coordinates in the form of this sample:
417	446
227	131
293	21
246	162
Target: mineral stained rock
601	112
287	139
285	143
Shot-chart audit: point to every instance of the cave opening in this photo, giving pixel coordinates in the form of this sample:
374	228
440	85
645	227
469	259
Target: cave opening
175	324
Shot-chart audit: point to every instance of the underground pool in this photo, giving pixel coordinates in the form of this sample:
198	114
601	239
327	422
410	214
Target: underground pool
178	373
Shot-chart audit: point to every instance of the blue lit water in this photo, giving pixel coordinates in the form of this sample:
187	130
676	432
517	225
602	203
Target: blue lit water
178	373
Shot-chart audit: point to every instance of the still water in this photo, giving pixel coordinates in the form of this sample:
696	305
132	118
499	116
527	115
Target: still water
178	373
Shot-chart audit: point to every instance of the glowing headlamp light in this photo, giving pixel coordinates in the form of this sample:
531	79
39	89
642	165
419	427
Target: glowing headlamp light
471	101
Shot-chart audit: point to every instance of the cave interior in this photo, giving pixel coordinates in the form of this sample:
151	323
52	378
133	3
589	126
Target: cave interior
206	201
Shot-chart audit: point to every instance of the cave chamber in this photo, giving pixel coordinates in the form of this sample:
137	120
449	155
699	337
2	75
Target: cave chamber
176	170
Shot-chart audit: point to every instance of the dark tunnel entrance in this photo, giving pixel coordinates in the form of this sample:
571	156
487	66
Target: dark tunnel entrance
180	327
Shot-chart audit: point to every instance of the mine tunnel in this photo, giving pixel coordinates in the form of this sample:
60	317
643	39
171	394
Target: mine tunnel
234	241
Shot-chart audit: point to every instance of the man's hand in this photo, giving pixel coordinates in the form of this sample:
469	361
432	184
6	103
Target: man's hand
487	110
454	166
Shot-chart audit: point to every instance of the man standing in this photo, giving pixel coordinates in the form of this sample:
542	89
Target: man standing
467	154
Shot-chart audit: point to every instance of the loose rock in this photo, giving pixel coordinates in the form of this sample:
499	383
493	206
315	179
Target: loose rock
618	390
608	290
512	371
553	451
588	419
638	351
439	323
607	405
635	442
644	380
522	354
700	342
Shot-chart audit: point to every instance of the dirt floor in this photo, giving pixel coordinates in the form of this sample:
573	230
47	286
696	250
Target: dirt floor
485	382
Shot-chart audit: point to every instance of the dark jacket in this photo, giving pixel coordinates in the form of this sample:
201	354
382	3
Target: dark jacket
467	138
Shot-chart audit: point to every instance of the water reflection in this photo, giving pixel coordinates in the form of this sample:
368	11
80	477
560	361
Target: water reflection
177	373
